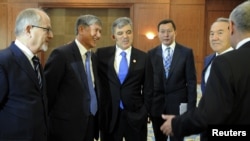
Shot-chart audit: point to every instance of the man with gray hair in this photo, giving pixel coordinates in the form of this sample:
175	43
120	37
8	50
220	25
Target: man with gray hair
220	43
127	88
23	101
72	83
225	104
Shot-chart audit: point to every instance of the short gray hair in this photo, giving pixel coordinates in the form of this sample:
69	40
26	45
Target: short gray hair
121	22
87	20
29	16
240	16
222	19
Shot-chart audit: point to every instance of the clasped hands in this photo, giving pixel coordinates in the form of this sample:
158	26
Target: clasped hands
166	127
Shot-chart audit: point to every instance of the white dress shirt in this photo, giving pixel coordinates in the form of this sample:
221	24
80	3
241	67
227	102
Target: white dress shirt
118	57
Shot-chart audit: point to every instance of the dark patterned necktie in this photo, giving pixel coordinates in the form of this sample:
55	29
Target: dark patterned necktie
93	99
37	64
167	61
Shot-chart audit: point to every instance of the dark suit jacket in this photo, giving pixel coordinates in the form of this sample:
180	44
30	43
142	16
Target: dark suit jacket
226	98
179	87
68	95
134	92
23	110
207	62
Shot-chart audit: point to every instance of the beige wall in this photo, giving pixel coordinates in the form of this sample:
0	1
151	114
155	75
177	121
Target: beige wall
63	24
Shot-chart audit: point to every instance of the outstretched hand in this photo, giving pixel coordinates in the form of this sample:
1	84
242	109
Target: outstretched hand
166	127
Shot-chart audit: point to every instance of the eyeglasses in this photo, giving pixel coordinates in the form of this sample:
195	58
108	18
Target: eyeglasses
47	29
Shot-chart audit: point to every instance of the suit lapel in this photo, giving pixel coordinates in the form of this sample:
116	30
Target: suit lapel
132	62
176	56
77	63
43	79
94	67
111	61
207	62
159	60
24	63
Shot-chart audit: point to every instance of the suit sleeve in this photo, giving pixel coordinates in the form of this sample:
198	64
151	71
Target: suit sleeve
54	70
191	81
214	107
203	77
148	84
3	85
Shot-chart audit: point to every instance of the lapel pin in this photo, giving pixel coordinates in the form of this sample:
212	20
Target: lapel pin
134	61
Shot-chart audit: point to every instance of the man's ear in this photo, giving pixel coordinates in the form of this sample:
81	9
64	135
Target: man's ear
80	29
113	37
28	30
231	27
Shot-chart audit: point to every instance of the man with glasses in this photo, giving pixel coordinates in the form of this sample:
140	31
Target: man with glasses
23	101
47	29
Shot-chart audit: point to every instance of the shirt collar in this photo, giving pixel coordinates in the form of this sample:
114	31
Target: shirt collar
225	51
242	42
81	48
24	49
172	46
119	50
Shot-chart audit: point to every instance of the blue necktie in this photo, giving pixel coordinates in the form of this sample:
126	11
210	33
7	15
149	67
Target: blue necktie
123	70
167	61
36	63
93	100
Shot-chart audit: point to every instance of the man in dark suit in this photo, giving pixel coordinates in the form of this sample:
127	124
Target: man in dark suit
225	104
174	81
23	101
72	105
125	95
220	44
